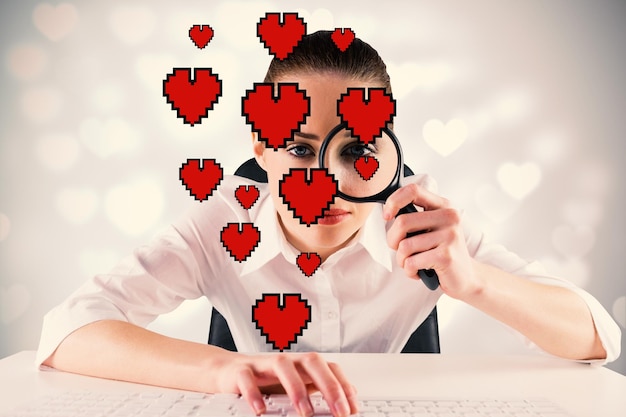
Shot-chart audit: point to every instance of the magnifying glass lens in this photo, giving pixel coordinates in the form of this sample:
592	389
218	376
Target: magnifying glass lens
362	170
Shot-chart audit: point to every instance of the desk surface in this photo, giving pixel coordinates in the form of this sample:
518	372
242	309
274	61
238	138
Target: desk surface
583	390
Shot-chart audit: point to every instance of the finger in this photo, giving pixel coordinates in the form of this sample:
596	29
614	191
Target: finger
412	194
327	382
250	391
294	385
348	388
411	223
438	259
410	246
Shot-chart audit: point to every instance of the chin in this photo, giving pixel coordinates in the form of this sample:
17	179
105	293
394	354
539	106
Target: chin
325	237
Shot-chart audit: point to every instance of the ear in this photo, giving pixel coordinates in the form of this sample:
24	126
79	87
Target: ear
258	148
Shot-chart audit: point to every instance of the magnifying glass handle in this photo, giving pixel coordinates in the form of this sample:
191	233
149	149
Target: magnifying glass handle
428	276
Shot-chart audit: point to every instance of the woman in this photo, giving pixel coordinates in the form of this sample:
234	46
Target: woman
366	258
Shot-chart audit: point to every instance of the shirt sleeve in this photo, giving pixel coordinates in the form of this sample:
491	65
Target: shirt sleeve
497	255
154	280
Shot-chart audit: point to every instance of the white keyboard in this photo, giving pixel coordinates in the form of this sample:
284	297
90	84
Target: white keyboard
88	404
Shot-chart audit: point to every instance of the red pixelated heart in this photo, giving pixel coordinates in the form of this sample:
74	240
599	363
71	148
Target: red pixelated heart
343	38
240	239
247	195
308	262
366	117
192	99
201	35
281	324
366	166
308	198
201	181
281	38
275	119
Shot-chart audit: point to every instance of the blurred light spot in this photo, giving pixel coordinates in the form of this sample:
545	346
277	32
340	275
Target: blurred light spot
77	205
519	180
115	136
107	97
93	261
548	147
494	204
57	152
593	180
55	22
409	76
479	121
5	226
585	212
366	26
26	62
573	241
512	106
135	207
574	270
41	104
179	22
320	19
133	24
151	69
445	139
14	301
619	311
235	22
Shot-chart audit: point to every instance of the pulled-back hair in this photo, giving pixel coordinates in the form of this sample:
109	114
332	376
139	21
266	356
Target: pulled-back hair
317	52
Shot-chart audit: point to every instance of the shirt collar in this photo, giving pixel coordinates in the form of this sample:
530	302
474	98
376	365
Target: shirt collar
372	237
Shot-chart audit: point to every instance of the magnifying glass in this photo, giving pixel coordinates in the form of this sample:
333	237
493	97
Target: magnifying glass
368	173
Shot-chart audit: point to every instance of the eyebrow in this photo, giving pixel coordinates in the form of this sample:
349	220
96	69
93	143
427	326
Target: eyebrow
305	135
313	136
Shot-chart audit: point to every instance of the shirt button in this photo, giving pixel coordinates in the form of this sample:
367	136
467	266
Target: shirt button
332	315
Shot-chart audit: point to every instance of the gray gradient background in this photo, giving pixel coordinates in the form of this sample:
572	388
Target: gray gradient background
83	123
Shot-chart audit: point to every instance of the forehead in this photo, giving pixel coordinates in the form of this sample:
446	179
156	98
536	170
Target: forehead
324	89
326	83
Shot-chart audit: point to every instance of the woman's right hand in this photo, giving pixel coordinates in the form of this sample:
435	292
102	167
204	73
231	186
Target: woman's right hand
295	374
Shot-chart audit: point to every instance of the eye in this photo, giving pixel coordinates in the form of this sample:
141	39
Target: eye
357	150
300	151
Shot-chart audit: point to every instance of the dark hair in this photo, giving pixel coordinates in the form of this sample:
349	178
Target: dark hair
317	52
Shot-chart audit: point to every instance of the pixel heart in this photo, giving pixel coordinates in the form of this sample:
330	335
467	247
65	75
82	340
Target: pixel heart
281	38
366	117
275	119
281	324
247	195
308	262
192	99
343	38
201	181
308	198
201	35
366	166
240	239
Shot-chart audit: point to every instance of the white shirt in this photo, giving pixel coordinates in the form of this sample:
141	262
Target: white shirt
360	299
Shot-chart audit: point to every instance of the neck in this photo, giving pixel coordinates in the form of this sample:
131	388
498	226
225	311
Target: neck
304	246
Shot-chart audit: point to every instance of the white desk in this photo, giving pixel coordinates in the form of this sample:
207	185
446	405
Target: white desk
583	390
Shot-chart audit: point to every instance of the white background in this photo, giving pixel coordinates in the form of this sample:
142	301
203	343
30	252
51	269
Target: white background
515	107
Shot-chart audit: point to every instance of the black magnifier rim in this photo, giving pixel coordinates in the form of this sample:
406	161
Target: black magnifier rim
389	189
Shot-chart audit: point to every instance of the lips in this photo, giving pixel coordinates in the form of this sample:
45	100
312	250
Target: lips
333	216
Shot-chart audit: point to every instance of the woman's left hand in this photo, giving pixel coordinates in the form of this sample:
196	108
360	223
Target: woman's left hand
441	247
